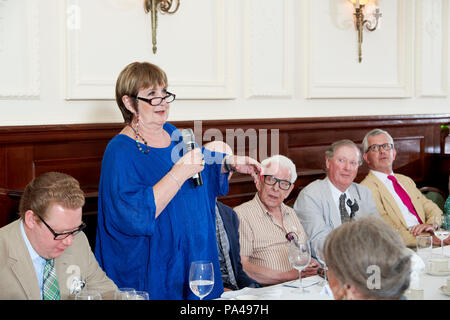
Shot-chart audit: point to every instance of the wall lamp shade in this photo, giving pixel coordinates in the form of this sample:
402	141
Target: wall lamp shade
371	24
164	7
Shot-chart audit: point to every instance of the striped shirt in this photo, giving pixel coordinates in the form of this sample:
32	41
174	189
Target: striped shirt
262	238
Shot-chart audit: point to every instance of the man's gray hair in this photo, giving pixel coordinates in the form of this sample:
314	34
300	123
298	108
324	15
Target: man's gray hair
345	142
282	161
372	133
354	248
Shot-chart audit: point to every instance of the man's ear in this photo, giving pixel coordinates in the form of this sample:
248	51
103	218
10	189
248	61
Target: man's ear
29	219
327	162
365	157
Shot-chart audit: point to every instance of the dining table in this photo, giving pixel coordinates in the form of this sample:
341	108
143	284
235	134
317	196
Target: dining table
431	286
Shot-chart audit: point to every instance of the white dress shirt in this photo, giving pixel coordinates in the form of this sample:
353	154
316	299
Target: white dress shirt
336	193
38	261
410	218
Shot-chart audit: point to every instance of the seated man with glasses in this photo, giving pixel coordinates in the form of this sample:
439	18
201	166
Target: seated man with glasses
397	198
264	223
323	205
44	255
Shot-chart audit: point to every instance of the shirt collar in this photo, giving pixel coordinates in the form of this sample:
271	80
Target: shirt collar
381	175
335	192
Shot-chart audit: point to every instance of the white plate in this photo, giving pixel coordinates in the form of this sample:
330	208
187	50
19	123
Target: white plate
440	273
444	291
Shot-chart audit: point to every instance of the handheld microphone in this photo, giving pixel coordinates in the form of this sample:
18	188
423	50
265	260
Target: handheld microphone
189	141
353	207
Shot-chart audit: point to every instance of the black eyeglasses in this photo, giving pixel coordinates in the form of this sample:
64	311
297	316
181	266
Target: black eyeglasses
61	236
170	97
376	147
271	180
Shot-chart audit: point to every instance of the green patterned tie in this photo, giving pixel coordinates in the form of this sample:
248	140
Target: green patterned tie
50	284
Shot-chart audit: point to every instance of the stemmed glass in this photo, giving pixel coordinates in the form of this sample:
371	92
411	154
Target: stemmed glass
300	257
441	229
318	248
201	278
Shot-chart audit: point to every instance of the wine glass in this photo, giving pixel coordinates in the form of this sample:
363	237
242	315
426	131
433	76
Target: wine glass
201	278
88	295
441	229
124	294
318	248
300	257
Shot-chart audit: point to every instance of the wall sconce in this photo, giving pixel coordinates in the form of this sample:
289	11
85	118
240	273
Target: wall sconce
162	6
371	25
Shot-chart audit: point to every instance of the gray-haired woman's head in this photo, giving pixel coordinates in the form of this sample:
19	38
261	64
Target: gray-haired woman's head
372	133
282	161
358	252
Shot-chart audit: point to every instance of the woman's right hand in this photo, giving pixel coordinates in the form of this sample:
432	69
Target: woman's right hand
190	164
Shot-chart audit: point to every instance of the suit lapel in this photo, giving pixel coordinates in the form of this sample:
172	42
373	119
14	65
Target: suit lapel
388	199
21	265
334	214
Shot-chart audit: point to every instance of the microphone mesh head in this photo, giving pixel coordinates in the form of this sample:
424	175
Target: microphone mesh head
188	135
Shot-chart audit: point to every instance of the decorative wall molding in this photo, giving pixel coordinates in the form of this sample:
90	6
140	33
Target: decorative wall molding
432	48
27	69
358	83
220	85
265	51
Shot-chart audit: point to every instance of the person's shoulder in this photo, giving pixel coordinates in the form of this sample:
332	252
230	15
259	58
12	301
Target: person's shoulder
247	206
370	181
119	141
402	178
6	230
314	186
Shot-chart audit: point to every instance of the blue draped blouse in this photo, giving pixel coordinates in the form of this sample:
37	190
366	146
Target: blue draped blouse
135	249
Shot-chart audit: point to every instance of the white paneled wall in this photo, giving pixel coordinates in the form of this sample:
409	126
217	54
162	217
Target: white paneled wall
225	59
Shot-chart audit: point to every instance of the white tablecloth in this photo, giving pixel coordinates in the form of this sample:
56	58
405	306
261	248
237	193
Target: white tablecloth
283	291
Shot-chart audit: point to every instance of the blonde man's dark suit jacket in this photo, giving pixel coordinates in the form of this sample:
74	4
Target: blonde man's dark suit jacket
389	210
17	275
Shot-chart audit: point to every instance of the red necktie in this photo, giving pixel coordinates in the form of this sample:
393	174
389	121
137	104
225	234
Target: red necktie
404	197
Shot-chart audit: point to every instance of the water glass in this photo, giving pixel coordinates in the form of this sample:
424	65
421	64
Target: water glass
424	246
201	278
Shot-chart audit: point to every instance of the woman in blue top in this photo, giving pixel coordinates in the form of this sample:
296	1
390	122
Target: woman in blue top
152	220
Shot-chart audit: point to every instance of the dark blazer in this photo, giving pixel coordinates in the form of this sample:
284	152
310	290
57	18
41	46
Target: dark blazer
231	225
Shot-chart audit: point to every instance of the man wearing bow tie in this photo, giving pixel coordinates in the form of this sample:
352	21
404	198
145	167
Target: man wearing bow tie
325	204
398	200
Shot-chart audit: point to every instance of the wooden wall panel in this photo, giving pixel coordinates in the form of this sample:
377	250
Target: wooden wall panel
27	151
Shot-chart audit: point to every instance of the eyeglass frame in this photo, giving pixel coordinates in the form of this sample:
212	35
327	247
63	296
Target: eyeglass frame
386	147
67	234
169	94
276	180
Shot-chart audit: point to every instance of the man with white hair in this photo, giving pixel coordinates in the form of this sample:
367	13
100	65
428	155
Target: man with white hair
323	205
264	223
